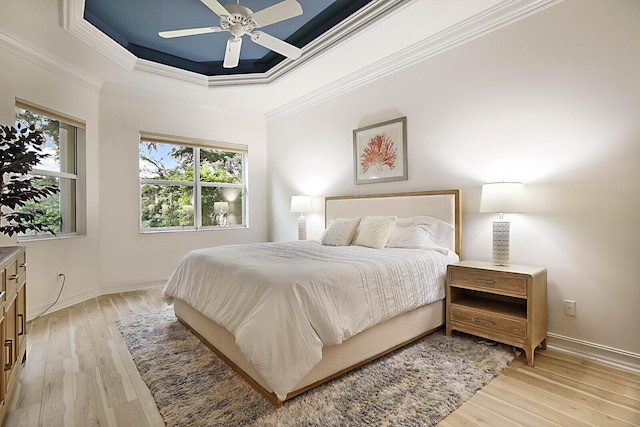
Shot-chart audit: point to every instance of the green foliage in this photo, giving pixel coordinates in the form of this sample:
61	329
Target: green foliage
171	204
21	149
165	206
47	210
47	126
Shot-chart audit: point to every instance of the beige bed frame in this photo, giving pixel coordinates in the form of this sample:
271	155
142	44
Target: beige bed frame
369	344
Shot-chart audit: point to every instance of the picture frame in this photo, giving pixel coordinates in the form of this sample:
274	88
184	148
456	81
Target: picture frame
380	152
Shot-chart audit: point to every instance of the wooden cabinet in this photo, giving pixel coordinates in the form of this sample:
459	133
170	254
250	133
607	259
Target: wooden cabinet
9	356
13	327
507	304
21	320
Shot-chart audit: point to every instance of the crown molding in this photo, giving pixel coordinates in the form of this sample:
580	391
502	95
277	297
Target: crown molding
74	22
38	56
145	65
492	19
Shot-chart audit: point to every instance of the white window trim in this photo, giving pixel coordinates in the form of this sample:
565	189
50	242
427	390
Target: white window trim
56	174
197	144
80	203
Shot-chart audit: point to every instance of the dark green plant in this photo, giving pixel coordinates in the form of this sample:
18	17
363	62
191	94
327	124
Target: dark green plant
21	149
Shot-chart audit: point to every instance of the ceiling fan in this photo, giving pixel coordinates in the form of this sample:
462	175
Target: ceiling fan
239	20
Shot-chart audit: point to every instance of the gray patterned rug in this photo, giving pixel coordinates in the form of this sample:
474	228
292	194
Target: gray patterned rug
417	385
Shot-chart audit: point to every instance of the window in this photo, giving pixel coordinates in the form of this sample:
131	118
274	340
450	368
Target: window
65	138
191	184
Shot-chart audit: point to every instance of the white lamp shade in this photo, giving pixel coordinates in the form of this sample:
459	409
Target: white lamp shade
221	206
502	197
301	204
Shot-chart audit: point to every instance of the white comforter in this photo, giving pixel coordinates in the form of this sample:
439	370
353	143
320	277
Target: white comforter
284	301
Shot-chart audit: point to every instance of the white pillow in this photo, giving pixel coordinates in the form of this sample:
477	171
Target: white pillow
340	231
421	232
374	231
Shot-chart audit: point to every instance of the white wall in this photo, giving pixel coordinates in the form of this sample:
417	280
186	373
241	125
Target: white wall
127	257
77	257
552	100
114	256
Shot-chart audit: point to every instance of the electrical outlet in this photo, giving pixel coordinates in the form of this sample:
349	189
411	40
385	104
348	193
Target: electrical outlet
569	307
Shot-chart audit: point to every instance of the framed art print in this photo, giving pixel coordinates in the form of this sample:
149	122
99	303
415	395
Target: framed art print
380	152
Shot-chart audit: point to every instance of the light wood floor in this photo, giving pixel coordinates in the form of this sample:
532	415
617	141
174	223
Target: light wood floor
79	373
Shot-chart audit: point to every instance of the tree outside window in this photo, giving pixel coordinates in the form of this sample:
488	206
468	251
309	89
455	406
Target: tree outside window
57	211
187	187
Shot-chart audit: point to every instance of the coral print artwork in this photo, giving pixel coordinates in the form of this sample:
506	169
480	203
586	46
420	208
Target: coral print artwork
380	152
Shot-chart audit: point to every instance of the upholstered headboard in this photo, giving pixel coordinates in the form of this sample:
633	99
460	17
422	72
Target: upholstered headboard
444	205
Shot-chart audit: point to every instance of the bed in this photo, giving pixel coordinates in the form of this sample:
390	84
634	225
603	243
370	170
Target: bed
304	334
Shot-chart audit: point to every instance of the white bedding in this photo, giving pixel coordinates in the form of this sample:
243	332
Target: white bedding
284	301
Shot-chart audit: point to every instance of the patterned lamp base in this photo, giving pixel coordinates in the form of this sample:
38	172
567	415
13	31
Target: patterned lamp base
302	228
501	242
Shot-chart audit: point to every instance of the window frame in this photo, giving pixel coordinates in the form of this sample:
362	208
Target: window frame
79	140
197	184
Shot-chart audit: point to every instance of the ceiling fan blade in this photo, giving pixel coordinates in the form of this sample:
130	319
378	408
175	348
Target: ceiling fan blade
188	32
216	7
275	44
232	54
276	13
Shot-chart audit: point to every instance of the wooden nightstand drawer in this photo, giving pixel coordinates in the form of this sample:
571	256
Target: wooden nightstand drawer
505	303
489	281
490	321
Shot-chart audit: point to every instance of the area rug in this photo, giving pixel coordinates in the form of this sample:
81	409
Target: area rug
416	385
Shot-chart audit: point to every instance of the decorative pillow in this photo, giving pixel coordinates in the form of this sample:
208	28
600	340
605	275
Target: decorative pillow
340	231
374	231
421	232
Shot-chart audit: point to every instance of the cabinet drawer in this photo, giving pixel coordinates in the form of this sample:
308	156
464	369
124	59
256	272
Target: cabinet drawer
11	277
488	281
12	270
22	263
489	321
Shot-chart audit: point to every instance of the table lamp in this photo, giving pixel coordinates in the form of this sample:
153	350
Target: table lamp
221	210
501	198
301	204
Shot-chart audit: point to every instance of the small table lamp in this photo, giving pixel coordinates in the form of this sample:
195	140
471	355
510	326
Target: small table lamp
221	210
501	197
301	204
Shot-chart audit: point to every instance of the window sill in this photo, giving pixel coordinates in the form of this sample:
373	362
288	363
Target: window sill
193	230
38	238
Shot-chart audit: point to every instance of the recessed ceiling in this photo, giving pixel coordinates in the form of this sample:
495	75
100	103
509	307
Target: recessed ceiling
378	40
135	24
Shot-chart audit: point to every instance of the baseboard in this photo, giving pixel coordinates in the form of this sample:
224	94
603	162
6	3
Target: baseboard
34	312
128	287
611	356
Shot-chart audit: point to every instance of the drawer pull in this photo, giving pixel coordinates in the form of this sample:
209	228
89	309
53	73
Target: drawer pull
14	277
483	321
2	294
23	265
9	365
21	317
488	282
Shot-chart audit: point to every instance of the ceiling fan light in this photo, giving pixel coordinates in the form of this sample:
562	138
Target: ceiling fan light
240	20
237	30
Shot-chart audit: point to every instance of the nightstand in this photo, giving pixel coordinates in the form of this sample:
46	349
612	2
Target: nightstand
507	304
